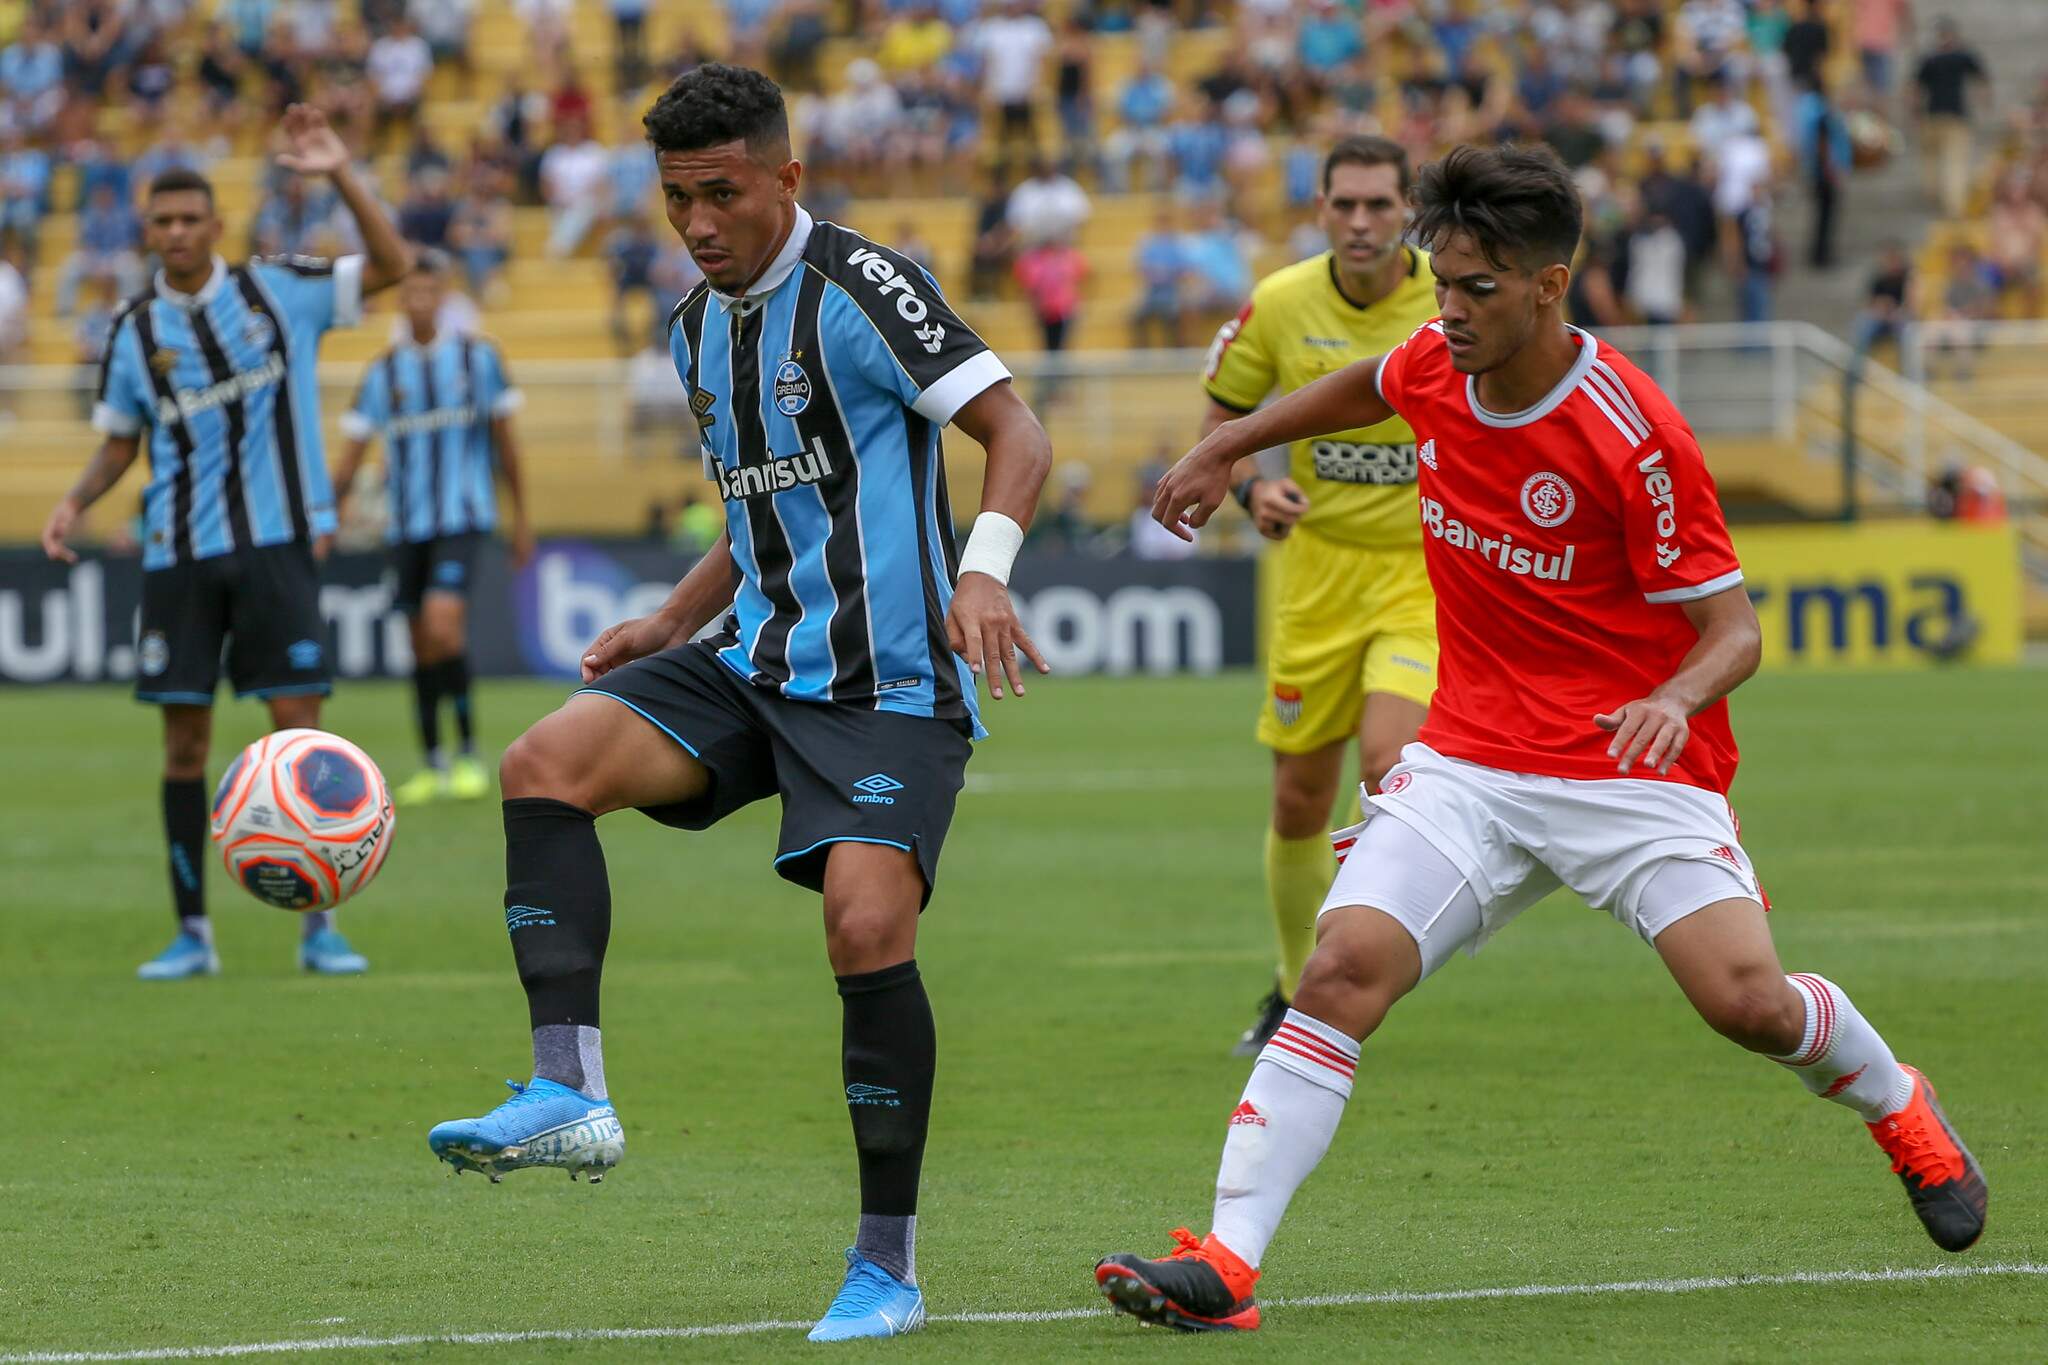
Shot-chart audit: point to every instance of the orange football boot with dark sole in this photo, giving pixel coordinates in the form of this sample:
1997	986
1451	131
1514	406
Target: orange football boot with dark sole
1941	1177
1201	1287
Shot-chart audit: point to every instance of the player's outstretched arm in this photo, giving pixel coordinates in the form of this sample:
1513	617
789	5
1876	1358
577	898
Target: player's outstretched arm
312	147
505	444
102	472
1657	727
981	624
1194	488
705	591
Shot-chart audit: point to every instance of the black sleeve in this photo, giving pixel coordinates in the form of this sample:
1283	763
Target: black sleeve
915	322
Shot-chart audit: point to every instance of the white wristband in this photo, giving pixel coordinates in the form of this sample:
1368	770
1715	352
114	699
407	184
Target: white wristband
992	547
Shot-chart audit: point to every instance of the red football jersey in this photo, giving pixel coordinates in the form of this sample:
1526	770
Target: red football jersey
1561	541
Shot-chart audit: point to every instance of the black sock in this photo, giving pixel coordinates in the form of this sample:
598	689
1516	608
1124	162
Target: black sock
185	832
455	687
426	693
889	1056
558	909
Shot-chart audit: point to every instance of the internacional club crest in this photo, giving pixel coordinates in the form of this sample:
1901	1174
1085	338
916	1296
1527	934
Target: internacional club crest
1286	703
1547	499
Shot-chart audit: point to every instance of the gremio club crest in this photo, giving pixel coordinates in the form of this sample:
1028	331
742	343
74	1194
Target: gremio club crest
1286	703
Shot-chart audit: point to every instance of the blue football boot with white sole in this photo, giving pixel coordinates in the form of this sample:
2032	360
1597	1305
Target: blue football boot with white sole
189	955
328	953
872	1303
545	1123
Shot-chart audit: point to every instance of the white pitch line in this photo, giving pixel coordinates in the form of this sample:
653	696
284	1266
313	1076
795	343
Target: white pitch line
1692	1285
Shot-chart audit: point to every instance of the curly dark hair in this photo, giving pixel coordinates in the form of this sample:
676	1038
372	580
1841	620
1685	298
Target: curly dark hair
1519	204
716	103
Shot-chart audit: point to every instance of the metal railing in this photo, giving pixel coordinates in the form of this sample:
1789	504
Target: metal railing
1845	435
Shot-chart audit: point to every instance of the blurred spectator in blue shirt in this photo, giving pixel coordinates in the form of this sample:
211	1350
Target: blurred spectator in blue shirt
32	74
1328	38
1195	144
1820	136
1216	266
109	235
1141	109
1161	263
24	191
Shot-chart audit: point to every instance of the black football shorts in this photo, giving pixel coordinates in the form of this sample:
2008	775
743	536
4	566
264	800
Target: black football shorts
845	773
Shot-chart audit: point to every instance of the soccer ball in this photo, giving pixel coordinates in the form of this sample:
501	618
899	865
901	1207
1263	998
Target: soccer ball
303	819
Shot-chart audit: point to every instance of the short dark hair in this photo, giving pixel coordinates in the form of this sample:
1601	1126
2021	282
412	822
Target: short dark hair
1519	204
714	104
177	180
1367	151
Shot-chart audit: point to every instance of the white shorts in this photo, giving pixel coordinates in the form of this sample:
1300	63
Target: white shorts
1454	850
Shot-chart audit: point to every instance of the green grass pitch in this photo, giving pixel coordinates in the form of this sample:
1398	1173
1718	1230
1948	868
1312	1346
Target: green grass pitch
244	1160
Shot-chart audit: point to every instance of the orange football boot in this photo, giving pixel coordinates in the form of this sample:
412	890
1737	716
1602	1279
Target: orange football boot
1941	1177
1201	1287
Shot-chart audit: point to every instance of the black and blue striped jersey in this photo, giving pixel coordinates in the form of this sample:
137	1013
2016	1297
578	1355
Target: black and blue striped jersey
434	406
820	395
220	385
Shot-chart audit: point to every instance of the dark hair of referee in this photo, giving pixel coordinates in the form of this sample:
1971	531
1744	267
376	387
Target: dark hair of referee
721	141
1501	224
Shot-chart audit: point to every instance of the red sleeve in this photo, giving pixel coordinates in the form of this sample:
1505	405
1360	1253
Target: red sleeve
1389	379
1678	544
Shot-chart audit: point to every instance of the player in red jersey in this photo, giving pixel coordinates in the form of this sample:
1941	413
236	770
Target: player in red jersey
1593	621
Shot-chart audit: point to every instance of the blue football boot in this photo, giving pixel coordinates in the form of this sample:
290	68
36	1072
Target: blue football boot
872	1303
545	1123
188	955
328	953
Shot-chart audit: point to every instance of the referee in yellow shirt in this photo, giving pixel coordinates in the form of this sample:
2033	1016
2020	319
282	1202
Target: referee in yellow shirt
1352	650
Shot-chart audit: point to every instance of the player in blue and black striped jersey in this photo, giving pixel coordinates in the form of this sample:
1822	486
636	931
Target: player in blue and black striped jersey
211	371
443	405
822	367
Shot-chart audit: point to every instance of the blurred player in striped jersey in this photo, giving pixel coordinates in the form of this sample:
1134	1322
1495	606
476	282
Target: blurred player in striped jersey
443	404
212	372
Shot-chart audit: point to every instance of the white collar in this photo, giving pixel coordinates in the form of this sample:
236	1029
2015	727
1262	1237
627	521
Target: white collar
205	293
769	280
1589	351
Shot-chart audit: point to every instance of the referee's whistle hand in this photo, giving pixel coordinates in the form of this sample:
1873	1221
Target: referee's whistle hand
1276	504
982	628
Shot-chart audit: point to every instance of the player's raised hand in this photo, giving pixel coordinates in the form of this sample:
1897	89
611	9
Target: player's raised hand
1654	729
982	627
1192	491
1276	504
312	147
58	529
619	645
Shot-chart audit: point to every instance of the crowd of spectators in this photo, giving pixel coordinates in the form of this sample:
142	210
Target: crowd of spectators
65	65
996	93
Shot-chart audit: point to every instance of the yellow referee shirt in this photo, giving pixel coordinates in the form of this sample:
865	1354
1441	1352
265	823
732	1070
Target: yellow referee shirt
1297	328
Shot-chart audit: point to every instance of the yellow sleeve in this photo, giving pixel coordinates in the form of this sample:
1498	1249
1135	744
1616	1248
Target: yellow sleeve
1239	373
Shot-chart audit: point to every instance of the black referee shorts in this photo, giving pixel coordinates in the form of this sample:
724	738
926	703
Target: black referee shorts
442	564
257	610
846	773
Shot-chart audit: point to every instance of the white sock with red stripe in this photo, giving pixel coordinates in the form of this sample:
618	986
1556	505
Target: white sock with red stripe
1281	1129
1841	1057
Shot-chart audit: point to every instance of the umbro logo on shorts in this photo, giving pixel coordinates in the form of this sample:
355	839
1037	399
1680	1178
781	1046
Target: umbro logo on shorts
874	789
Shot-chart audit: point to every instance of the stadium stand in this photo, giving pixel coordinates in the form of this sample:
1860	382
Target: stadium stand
506	131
